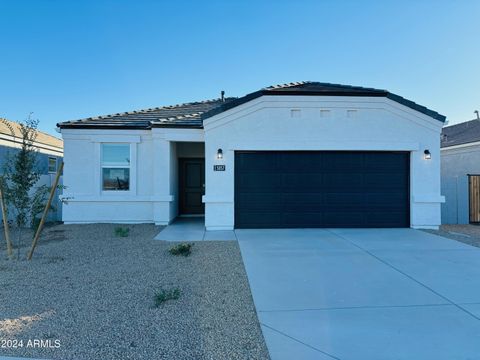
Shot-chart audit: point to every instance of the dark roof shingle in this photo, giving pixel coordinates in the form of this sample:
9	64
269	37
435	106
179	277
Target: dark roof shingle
181	115
309	88
462	133
191	115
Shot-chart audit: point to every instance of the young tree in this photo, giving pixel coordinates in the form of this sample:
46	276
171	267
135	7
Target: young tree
19	178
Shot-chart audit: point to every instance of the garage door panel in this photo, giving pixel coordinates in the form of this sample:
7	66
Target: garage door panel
298	162
394	162
346	201
391	200
254	183
303	202
343	219
321	189
338	161
252	162
346	181
301	220
298	182
260	202
380	182
385	219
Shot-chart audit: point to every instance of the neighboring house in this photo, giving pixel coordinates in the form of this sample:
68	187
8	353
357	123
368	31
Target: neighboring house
460	149
304	154
49	156
50	148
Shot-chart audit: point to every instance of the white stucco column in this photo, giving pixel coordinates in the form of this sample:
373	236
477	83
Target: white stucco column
163	169
219	192
425	197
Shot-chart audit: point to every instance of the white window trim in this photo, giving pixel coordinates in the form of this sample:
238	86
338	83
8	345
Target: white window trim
133	169
48	165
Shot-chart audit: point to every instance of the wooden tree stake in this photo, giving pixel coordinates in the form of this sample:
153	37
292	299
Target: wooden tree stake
45	212
5	225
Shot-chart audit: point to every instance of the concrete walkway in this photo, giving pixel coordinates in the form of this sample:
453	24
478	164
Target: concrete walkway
364	293
192	229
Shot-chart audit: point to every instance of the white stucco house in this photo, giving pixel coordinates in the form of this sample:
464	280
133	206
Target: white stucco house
304	154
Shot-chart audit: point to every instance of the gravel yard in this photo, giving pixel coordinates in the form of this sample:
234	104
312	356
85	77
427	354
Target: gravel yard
94	292
468	234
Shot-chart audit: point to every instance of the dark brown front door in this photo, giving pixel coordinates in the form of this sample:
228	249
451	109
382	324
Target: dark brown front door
192	186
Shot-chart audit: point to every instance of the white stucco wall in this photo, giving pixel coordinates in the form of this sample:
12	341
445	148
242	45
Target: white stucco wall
153	195
86	202
323	123
266	123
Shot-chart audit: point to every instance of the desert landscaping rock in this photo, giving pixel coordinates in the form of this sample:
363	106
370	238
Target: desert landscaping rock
94	292
468	233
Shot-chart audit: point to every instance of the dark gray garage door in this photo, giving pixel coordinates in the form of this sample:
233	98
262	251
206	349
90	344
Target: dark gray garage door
321	189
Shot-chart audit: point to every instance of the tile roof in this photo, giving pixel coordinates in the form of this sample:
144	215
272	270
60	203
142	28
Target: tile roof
324	89
181	115
191	115
7	127
462	133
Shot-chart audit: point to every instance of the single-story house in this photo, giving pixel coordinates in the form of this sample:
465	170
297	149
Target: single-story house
460	172
49	148
304	154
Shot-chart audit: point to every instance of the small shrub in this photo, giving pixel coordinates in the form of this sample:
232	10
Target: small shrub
165	295
54	259
121	232
183	249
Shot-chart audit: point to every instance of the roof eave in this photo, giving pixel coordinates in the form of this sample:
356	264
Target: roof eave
379	93
104	127
177	126
414	106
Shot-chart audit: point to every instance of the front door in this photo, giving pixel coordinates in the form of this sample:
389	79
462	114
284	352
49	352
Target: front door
192	186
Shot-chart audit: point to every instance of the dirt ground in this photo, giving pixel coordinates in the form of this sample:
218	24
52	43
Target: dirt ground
93	293
468	234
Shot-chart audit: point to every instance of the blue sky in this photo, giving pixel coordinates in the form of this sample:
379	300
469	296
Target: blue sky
66	60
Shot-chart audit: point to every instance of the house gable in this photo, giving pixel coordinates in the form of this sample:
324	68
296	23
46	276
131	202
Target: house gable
311	88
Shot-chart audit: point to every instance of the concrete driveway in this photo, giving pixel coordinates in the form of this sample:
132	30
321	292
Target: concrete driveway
364	293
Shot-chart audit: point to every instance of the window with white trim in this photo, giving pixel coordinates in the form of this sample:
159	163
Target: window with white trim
115	163
52	164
